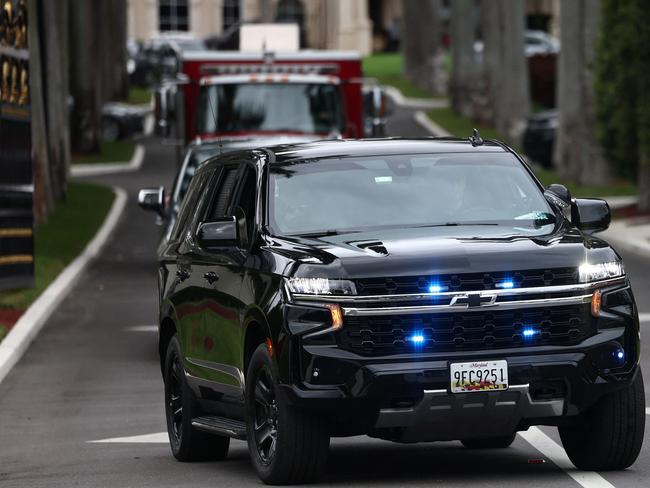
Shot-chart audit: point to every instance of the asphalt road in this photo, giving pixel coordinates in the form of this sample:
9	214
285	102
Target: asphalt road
93	375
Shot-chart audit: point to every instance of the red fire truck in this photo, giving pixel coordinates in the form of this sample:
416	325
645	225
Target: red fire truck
232	94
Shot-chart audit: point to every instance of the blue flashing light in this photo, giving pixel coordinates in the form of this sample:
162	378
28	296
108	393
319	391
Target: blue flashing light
435	288
417	339
530	332
506	284
620	354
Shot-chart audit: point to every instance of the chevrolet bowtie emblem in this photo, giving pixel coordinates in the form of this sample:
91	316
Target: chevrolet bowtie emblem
473	300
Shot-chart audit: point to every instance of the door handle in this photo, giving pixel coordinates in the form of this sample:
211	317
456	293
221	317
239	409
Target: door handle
210	277
182	274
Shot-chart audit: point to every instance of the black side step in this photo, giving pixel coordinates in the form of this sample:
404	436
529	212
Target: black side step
220	425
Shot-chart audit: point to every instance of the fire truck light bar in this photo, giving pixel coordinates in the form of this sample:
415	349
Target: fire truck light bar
232	69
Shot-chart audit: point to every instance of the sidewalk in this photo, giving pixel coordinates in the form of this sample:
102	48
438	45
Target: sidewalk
632	234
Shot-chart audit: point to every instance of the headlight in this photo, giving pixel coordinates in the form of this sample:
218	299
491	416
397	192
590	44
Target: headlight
600	271
321	286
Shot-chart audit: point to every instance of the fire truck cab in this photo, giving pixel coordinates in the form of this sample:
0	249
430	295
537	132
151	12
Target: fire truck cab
232	94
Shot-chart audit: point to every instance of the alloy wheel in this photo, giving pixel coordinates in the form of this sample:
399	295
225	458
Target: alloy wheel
175	399
266	416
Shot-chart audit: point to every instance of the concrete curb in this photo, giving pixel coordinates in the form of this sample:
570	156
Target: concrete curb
28	326
403	101
423	120
80	170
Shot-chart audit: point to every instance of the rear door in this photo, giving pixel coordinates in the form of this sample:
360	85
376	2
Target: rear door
180	290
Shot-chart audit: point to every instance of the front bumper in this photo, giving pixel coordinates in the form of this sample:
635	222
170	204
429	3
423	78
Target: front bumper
406	396
408	399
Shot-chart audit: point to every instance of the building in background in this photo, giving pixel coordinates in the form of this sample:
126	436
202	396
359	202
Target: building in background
324	24
362	25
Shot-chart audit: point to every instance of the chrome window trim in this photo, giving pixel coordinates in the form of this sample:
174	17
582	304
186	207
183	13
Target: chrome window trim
455	295
435	309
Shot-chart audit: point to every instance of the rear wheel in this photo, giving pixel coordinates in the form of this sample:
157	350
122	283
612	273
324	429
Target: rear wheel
187	443
490	442
609	435
287	445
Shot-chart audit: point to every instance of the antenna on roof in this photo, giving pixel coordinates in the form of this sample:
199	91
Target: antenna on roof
475	138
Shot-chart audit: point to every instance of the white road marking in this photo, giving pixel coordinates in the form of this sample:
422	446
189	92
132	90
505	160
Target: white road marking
142	328
157	438
644	317
647	410
554	452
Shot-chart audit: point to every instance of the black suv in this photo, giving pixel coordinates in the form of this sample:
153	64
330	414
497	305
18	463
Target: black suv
410	290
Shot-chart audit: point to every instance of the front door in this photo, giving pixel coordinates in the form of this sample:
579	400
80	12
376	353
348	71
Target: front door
216	342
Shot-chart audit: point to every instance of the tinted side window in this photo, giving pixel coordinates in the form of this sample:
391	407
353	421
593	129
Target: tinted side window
223	193
188	206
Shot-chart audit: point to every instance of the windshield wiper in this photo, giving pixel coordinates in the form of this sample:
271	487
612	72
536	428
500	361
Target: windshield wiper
324	233
455	224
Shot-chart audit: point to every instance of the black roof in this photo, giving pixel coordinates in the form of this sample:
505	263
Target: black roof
333	148
372	147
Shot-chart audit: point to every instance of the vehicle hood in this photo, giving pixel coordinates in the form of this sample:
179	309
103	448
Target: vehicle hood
433	251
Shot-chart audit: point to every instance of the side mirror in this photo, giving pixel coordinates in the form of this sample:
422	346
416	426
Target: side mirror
164	106
376	110
160	112
152	199
591	214
223	232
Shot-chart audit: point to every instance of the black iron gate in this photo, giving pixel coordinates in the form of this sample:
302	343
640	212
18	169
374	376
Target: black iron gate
16	184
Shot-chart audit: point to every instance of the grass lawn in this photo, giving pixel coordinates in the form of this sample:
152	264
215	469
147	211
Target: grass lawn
387	69
109	152
61	239
462	127
138	96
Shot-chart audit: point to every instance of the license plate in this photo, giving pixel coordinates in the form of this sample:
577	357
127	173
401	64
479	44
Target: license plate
478	376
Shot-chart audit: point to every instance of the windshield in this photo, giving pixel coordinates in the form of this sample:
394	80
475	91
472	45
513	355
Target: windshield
256	107
348	194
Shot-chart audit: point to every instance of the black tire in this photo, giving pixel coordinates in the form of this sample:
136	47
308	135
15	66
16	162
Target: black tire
489	442
287	445
187	443
609	435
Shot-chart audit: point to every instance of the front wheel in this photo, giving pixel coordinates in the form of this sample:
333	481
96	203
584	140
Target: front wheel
187	443
287	445
609	435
